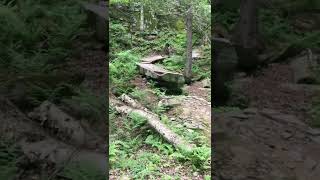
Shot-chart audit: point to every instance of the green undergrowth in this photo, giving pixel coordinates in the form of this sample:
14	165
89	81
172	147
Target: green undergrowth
83	171
9	156
35	37
122	69
36	41
276	27
315	114
175	39
127	48
137	149
200	157
85	104
315	108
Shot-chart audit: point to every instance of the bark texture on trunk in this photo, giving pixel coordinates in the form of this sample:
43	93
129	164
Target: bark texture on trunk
188	66
141	18
245	36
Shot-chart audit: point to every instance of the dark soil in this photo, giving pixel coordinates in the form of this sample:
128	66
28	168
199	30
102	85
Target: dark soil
196	89
270	89
271	139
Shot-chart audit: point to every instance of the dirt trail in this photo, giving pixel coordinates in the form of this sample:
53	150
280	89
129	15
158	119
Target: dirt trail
271	139
274	88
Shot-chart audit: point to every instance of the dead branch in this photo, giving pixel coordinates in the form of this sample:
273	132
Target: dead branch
154	121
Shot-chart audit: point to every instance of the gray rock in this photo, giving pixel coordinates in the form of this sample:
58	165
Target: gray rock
170	102
286	135
196	54
250	111
310	164
192	125
240	116
313	132
153	59
291	165
316	139
206	83
295	156
160	74
286	118
302	68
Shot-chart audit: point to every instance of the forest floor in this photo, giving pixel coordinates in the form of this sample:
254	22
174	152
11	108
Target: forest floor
35	151
272	137
150	157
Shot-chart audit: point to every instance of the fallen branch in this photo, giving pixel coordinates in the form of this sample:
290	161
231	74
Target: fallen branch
125	98
154	121
63	126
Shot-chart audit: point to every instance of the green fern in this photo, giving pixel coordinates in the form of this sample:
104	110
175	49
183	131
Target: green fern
8	160
83	171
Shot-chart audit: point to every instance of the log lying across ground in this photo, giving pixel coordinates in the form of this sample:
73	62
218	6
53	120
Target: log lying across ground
153	59
154	121
63	126
159	73
37	145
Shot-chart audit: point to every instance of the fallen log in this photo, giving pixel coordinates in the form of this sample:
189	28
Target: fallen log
160	74
63	126
154	121
153	59
51	151
125	98
38	147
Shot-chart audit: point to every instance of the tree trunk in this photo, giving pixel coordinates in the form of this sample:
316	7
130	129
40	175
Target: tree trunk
224	67
141	18
246	35
248	24
188	66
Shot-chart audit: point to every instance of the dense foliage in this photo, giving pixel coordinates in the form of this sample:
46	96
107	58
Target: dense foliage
134	147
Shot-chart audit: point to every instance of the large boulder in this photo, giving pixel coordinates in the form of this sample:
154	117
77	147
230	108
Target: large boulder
303	68
160	74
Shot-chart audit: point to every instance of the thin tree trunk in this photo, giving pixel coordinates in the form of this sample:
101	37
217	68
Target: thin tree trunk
248	24
141	18
246	35
188	65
